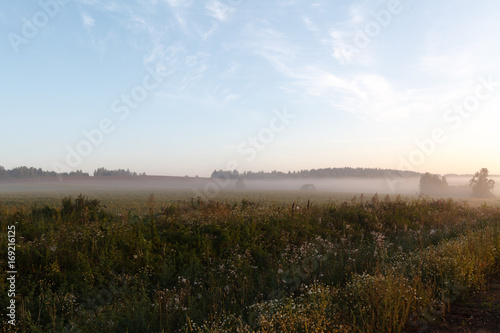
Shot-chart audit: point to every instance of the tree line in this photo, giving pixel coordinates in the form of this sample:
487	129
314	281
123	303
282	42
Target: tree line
120	172
25	172
314	173
479	186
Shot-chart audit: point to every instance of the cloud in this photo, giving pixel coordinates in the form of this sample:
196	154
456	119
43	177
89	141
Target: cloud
88	2
363	92
231	97
87	20
375	96
231	68
219	10
174	3
165	58
105	6
342	51
342	37
365	95
467	61
309	24
270	44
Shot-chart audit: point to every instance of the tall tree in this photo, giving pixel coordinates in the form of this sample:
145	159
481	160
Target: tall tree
481	185
433	184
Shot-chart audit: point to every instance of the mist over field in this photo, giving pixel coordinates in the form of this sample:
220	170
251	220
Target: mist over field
209	187
355	185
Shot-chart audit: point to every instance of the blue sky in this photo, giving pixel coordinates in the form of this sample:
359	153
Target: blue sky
174	87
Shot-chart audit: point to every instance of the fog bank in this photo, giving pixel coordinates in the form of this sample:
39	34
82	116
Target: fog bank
208	186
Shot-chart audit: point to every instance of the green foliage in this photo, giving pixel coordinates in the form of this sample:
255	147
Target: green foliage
433	184
314	173
25	172
481	185
119	172
379	302
81	210
207	266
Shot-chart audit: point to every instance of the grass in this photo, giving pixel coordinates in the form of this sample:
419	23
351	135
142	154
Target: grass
161	263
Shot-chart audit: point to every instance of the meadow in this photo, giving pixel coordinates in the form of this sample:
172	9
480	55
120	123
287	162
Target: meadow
242	262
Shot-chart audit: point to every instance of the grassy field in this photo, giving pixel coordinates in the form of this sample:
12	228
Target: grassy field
136	200
273	261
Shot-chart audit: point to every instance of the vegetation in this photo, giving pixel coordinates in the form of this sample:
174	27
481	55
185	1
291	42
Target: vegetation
481	185
308	187
25	172
119	172
433	184
212	266
314	173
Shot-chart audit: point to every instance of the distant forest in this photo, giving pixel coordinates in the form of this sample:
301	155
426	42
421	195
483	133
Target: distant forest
119	172
25	172
315	173
480	186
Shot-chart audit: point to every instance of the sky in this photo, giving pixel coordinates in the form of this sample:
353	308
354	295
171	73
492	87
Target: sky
173	87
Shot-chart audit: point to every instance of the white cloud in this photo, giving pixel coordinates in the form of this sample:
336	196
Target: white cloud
309	24
363	92
218	10
374	96
231	97
231	69
174	3
344	36
342	51
88	21
366	95
165	58
88	2
469	61
105	6
270	44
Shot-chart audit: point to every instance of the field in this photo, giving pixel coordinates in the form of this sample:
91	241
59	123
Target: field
246	261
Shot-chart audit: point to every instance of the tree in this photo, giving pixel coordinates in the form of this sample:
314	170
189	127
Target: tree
433	184
308	187
481	185
119	172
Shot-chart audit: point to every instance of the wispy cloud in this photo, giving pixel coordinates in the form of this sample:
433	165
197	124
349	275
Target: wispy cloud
341	49
309	24
231	97
364	93
218	10
87	20
342	35
105	6
174	3
270	44
375	96
469	60
165	58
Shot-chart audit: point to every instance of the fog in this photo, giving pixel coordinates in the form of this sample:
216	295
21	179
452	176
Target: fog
464	181
354	185
208	186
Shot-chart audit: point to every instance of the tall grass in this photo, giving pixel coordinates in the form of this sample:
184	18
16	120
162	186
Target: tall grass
246	266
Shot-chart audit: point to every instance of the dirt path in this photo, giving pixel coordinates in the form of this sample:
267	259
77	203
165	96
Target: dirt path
479	314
